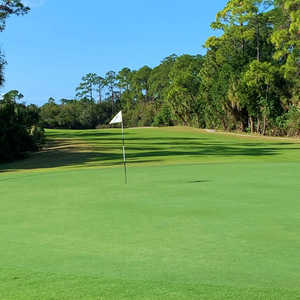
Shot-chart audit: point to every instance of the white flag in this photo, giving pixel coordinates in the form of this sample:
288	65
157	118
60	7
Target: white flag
117	119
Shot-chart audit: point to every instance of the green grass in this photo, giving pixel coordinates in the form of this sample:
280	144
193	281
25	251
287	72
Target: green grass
204	216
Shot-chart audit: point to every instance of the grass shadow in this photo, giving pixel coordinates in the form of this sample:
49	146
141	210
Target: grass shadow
199	181
104	149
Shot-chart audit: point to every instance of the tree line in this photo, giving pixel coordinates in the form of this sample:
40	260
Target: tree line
248	80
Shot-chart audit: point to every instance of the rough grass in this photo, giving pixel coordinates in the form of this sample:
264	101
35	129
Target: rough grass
204	216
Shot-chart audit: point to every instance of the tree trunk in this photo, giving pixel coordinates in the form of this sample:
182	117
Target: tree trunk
265	125
112	102
257	41
258	125
242	126
185	123
100	93
265	117
243	40
251	124
224	124
181	117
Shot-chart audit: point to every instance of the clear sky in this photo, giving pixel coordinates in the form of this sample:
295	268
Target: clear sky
51	48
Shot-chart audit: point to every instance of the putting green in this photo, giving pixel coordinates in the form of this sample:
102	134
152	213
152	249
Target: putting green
204	216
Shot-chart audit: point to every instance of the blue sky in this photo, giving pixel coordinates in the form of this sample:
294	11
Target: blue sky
51	48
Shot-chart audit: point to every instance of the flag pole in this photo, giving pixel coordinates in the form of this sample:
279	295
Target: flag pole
124	155
119	119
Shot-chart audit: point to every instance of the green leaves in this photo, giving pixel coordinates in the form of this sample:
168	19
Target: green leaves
8	8
19	127
11	7
286	37
259	75
184	88
90	82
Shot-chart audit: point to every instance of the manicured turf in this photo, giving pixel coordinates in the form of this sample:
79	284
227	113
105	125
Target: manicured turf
204	216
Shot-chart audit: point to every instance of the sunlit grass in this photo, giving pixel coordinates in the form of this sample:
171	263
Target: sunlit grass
204	216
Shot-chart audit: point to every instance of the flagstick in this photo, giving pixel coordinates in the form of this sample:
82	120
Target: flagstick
124	156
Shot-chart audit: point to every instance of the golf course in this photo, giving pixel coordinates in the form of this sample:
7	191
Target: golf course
205	215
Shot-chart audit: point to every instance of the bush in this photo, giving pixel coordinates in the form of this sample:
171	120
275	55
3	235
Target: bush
293	121
164	117
19	129
38	136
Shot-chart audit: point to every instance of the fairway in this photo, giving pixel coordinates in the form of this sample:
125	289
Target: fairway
204	216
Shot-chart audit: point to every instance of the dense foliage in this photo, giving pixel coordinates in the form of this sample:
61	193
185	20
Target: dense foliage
247	81
19	127
76	114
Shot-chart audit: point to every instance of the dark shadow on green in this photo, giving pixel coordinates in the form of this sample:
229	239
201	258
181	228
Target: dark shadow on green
105	150
199	181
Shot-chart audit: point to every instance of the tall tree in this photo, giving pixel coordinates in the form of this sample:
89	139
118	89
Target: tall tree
124	79
99	83
243	19
260	79
159	80
184	88
110	81
87	85
286	38
140	83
